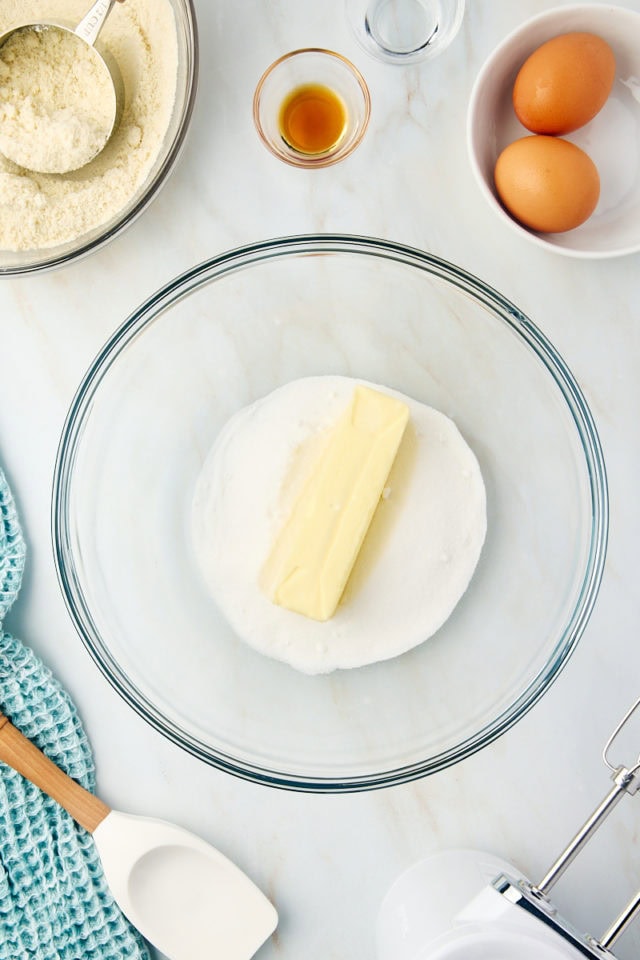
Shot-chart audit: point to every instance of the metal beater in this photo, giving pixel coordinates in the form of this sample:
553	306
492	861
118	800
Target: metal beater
468	905
534	897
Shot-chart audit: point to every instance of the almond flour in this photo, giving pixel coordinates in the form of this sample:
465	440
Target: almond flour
57	101
45	210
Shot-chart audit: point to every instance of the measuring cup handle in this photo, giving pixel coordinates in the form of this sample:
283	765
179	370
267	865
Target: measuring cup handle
93	20
24	757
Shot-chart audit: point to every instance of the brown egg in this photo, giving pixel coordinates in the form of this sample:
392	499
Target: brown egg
547	183
564	83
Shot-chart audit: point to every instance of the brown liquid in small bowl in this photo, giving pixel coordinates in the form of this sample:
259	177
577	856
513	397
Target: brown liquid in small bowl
312	118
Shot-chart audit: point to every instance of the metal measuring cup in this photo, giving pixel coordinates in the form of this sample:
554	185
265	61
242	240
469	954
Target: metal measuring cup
86	32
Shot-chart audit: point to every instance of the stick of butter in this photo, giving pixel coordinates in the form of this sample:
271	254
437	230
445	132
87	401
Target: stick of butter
312	558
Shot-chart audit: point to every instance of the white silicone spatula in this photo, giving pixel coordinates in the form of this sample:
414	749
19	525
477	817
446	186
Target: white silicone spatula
183	895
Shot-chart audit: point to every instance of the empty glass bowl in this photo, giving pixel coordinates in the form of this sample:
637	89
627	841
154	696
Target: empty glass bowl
228	332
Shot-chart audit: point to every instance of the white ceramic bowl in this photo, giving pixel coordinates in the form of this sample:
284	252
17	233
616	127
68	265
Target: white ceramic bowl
612	138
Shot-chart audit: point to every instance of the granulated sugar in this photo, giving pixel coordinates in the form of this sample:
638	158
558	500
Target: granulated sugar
43	210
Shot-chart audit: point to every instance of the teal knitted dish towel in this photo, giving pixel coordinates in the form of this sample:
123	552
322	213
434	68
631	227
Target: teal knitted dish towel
12	549
54	901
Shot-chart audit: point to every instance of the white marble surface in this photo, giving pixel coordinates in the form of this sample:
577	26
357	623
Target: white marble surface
327	861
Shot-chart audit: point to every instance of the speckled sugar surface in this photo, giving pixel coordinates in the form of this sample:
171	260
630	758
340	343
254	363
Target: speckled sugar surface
43	210
433	511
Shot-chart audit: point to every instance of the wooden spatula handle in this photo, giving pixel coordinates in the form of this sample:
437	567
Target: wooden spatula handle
24	756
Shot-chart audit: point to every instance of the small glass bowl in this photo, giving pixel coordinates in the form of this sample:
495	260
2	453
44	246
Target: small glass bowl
405	31
312	67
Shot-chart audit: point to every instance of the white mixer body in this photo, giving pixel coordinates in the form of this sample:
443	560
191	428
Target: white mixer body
445	908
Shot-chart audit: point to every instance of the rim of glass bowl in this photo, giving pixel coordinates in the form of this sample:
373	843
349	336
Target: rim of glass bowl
239	259
159	178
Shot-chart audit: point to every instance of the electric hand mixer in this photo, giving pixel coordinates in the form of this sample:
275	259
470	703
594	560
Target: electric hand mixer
465	904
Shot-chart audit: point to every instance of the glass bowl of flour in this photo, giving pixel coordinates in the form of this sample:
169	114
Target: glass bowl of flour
49	219
477	575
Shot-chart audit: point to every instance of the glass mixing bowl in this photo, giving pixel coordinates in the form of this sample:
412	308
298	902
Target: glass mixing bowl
226	333
32	261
